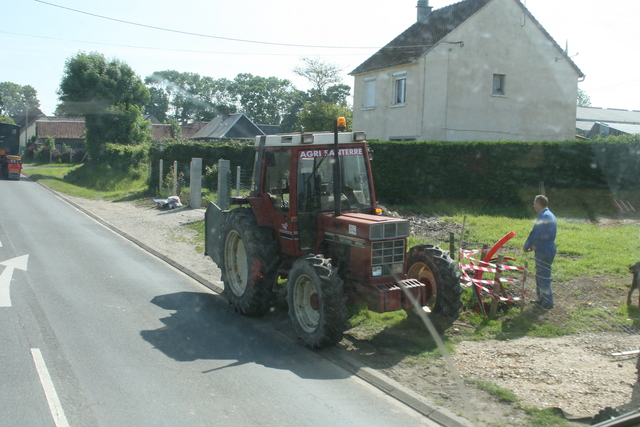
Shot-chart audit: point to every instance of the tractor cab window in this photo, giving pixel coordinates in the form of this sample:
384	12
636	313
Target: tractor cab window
315	181
277	178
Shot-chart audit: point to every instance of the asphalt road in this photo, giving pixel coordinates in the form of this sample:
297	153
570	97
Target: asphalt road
95	331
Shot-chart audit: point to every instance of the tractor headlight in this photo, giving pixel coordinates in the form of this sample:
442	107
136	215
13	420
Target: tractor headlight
359	136
376	271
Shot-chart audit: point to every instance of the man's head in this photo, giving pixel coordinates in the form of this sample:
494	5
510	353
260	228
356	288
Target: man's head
540	202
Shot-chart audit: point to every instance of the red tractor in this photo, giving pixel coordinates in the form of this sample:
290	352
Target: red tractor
10	165
10	161
311	218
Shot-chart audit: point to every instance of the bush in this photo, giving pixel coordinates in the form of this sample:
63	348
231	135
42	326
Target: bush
125	157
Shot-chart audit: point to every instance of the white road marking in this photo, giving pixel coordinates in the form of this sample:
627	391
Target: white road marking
5	278
49	390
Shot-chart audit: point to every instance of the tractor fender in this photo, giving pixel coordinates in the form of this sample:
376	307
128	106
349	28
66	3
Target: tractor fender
214	218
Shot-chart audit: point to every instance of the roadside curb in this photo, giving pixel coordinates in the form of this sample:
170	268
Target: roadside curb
338	356
394	389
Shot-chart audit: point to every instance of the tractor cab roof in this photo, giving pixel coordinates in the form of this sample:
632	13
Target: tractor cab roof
310	139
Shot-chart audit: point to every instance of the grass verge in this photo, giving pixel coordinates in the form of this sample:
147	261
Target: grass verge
91	182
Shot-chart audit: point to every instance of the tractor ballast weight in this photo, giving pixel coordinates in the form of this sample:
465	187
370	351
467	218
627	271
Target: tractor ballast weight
312	218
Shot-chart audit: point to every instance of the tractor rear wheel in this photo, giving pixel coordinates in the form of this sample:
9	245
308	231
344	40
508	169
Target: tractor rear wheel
317	301
249	263
438	272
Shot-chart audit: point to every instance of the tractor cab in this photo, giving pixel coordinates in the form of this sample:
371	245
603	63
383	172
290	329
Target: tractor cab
298	178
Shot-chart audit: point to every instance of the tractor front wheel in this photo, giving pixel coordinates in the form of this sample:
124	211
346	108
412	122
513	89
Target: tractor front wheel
438	272
317	302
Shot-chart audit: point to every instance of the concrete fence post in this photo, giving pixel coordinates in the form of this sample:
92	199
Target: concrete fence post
224	184
195	183
175	178
238	173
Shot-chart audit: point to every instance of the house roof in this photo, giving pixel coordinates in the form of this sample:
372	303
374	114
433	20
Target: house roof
229	126
269	129
191	129
624	127
67	129
74	128
424	35
612	129
160	132
610	115
34	114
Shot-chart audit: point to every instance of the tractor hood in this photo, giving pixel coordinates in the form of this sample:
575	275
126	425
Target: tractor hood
357	226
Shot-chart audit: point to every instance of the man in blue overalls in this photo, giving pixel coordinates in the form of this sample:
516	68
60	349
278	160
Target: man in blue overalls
542	241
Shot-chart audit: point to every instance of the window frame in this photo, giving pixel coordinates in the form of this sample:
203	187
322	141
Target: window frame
501	89
399	78
369	95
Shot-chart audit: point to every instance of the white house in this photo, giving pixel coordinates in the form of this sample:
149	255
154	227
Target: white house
474	70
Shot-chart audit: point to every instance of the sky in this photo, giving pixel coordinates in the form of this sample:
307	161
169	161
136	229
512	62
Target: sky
269	38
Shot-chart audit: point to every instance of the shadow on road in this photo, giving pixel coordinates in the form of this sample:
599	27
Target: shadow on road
203	326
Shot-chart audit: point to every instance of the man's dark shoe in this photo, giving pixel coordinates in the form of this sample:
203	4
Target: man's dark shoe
541	305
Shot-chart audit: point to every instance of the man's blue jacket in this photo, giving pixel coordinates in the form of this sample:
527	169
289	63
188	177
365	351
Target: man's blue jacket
543	235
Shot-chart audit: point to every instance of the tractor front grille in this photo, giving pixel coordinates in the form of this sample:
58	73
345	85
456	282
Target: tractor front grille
387	257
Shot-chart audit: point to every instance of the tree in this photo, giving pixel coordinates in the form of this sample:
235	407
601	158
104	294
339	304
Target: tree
321	74
583	99
338	94
264	100
326	100
321	115
186	97
110	96
158	104
13	98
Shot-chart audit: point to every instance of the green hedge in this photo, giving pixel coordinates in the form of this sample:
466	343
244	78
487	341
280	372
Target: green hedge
125	157
416	172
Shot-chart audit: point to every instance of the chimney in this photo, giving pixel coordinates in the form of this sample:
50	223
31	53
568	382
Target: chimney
424	9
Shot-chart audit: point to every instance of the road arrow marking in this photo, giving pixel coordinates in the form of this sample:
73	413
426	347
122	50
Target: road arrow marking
5	278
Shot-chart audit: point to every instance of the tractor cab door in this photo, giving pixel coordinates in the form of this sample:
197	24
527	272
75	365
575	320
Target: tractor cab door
276	186
309	189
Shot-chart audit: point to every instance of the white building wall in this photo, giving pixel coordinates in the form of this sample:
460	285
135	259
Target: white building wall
455	81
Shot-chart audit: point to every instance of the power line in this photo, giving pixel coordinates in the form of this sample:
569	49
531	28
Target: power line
617	86
169	49
198	34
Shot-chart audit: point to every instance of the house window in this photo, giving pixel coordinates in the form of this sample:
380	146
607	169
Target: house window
369	92
499	84
400	88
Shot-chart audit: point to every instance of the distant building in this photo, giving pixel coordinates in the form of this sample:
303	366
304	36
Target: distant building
191	129
64	130
71	131
228	126
591	122
27	123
